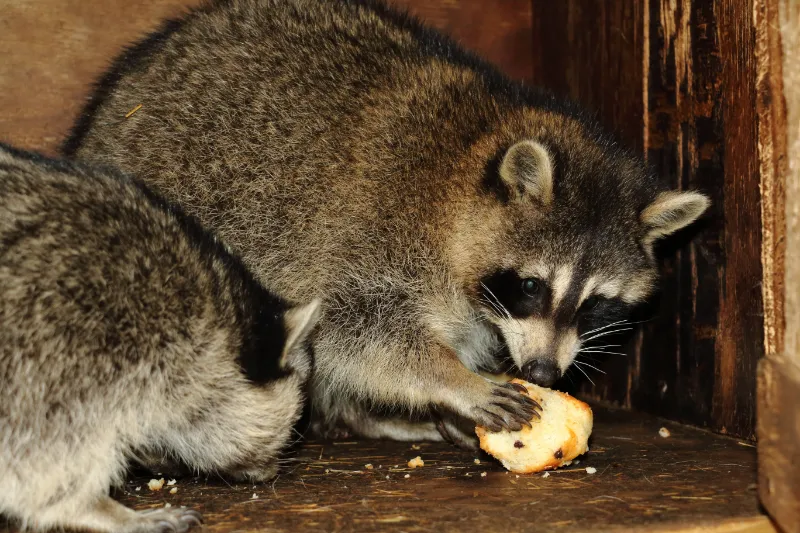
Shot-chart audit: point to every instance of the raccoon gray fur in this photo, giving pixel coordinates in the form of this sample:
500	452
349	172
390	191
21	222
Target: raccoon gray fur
440	211
127	329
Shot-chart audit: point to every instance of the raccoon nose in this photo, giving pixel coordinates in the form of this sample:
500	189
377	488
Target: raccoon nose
543	373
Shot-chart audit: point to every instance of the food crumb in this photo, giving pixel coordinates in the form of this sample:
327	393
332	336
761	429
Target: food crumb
137	489
387	477
483	474
477	461
416	462
407	476
254	496
664	432
517	476
155	484
167	505
415	447
327	470
546	475
173	490
368	466
577	461
171	482
591	470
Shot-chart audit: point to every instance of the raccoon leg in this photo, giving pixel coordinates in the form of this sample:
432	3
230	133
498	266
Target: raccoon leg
107	515
485	403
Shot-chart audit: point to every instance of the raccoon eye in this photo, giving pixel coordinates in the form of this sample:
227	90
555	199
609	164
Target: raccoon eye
530	286
590	303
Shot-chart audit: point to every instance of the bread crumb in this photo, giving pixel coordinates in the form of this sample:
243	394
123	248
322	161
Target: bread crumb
387	477
546	475
407	476
591	470
155	484
137	489
327	470
171	482
664	432
415	447
483	474
416	462
173	490
167	505
517	476
254	496
477	461
577	461
368	466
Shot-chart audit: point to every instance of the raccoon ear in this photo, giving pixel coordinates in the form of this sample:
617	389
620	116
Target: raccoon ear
298	323
671	211
527	170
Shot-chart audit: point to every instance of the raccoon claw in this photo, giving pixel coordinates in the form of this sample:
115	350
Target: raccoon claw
516	386
520	388
507	409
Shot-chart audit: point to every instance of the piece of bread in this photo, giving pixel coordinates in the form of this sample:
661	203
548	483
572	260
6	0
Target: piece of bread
555	439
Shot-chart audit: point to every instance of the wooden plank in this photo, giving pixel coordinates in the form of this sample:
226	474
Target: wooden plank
779	373
692	479
778	438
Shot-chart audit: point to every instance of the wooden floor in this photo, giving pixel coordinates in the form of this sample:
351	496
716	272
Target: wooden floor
692	479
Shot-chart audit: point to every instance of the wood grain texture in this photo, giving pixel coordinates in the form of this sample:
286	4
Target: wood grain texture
779	373
778	438
677	79
773	160
693	479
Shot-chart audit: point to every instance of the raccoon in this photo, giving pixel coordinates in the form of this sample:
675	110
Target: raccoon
442	213
127	329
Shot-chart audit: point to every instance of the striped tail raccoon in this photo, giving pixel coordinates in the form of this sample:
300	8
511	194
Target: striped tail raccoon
125	328
442	212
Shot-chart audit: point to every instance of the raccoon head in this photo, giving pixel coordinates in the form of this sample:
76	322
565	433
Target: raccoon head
561	249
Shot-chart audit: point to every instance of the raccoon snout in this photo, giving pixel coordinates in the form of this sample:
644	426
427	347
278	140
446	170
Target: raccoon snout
541	372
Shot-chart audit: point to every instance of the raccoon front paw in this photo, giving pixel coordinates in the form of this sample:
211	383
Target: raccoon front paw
505	408
165	520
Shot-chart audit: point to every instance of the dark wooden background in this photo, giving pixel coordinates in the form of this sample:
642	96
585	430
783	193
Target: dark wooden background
676	80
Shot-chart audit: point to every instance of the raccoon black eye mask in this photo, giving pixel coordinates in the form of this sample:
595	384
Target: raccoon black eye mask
386	171
126	330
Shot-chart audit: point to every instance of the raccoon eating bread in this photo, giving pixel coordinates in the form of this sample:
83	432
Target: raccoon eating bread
555	437
127	331
442	213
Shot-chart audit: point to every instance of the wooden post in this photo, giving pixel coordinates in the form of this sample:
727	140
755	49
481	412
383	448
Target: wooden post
778	31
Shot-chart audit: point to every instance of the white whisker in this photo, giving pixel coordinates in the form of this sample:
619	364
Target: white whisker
587	364
604	333
585	374
603	351
617	323
496	299
604	346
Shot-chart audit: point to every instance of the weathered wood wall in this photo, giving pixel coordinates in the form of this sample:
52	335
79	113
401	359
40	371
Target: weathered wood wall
677	79
778	25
